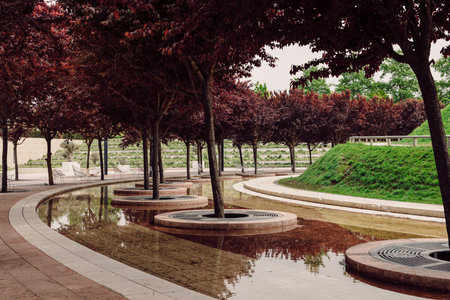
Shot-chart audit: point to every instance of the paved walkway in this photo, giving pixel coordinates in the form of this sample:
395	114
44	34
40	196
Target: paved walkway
46	265
28	273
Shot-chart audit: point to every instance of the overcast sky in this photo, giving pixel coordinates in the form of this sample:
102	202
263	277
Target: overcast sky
278	78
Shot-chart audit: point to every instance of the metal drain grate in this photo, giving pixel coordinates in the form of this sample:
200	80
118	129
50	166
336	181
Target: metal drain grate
262	214
187	216
248	215
404	255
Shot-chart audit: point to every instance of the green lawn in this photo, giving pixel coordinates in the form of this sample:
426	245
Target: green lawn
424	130
393	173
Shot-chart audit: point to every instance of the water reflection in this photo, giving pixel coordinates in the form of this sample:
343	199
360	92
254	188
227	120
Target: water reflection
218	266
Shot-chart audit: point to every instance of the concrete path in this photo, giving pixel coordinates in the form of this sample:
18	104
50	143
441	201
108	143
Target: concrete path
267	187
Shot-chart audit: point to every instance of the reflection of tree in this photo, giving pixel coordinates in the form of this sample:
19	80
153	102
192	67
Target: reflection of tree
80	208
308	243
314	262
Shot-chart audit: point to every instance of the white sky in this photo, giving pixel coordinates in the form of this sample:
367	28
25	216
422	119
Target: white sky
278	78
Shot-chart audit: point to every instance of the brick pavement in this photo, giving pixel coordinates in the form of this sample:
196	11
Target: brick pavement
27	273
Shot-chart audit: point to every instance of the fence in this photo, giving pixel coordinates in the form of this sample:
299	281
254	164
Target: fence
390	138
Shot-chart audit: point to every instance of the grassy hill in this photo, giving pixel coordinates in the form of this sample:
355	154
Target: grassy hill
393	173
424	130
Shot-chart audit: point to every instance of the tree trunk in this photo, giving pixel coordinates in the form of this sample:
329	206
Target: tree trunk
100	154
150	172
160	163
255	157
241	158
49	160
212	156
292	154
219	150
222	156
188	153
310	151
199	159
438	138
16	162
145	157
155	155
89	144
5	158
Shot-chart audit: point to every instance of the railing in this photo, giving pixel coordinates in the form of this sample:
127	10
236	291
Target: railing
390	138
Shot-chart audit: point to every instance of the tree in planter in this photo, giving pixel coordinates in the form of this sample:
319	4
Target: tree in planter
187	125
106	68
26	47
50	116
311	120
412	25
211	38
16	136
241	115
258	123
222	111
289	108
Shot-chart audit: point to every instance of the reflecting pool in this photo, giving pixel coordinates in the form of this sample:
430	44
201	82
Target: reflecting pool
307	262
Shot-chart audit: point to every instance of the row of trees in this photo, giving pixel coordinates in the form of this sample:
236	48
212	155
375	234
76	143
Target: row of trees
397	81
249	118
133	60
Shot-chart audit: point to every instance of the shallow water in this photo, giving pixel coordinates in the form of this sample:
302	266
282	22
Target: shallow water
307	261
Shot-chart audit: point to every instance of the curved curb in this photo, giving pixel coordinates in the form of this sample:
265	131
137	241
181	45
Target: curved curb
230	226
167	202
169	184
141	192
256	175
116	276
193	180
359	259
223	177
269	187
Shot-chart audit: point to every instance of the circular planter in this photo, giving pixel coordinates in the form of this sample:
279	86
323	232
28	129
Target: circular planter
169	184
133	191
419	263
165	202
236	222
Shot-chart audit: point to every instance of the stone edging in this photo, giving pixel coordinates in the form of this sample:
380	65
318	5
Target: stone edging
429	210
118	277
165	202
